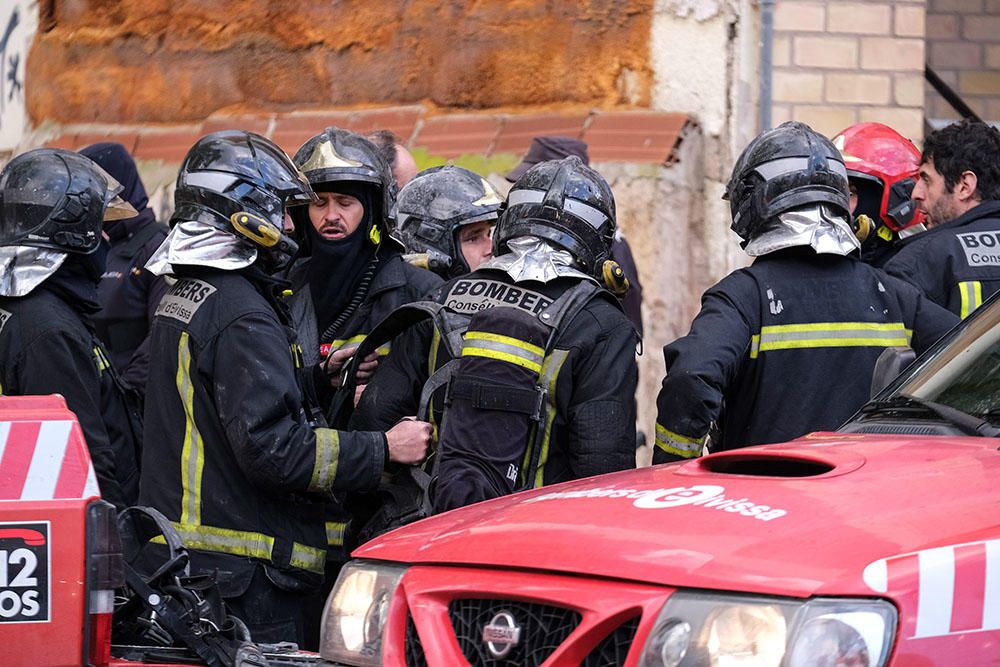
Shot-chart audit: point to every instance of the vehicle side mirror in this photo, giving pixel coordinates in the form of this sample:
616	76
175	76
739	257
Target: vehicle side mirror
889	364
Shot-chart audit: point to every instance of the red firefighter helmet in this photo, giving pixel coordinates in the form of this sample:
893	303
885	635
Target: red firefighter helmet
877	154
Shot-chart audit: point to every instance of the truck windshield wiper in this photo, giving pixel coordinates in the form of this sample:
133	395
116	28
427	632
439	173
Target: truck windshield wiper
961	420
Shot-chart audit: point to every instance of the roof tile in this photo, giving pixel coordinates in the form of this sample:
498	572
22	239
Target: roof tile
454	135
634	136
518	130
168	145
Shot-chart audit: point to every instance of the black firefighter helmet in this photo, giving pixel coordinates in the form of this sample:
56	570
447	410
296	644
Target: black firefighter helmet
335	156
240	182
434	205
56	199
785	168
566	203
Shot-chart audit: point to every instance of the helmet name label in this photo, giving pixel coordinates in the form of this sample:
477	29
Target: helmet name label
471	296
184	299
981	248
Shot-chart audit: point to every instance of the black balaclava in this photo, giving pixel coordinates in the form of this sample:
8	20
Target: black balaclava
76	280
115	160
336	266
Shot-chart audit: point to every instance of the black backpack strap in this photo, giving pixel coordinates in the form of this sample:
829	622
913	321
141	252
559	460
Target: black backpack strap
561	311
395	323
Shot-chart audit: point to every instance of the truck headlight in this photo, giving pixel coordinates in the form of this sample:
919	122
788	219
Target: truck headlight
354	618
722	630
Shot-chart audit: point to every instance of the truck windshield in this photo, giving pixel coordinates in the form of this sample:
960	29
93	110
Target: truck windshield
965	373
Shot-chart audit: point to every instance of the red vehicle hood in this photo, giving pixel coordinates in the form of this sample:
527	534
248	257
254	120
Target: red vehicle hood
839	503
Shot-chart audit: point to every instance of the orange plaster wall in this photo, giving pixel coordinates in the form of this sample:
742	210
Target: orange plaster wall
182	60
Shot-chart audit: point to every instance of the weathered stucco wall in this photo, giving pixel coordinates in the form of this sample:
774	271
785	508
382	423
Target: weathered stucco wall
176	60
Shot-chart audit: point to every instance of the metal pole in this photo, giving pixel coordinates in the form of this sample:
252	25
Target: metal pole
766	62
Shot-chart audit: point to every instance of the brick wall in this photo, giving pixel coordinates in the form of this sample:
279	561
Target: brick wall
837	63
963	42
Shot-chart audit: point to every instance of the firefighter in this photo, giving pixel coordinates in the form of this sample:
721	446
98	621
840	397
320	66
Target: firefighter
52	207
957	262
445	216
881	171
352	273
543	356
128	293
241	471
787	345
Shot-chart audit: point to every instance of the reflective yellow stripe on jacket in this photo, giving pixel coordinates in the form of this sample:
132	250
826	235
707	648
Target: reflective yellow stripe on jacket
101	359
549	377
225	540
971	292
829	334
677	444
335	533
353	342
503	348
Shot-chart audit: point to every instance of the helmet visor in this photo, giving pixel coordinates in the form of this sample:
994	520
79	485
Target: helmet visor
115	208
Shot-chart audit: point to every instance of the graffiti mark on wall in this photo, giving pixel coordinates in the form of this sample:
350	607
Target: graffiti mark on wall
11	79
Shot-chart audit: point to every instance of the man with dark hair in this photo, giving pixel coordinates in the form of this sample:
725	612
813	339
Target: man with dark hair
957	262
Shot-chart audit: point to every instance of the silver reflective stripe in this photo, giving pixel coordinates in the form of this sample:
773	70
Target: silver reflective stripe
215	181
787	165
496	349
327	457
585	212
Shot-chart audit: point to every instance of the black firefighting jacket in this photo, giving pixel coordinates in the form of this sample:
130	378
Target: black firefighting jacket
589	375
956	264
129	294
785	347
238	468
48	347
395	283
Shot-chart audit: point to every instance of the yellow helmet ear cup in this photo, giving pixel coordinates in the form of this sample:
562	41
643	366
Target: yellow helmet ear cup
614	277
862	226
375	235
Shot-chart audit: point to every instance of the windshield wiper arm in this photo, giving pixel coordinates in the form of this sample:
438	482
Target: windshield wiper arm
962	420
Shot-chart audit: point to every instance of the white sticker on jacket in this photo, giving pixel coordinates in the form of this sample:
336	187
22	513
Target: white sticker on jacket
184	299
981	248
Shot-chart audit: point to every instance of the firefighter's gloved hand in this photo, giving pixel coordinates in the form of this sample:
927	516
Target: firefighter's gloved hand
408	441
334	366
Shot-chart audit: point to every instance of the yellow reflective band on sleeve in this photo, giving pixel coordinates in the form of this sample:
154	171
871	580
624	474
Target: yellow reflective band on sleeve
549	376
246	544
306	558
829	334
335	533
327	456
354	341
971	292
675	443
192	454
503	348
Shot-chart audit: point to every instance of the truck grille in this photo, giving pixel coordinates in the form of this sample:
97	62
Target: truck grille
414	651
613	650
542	629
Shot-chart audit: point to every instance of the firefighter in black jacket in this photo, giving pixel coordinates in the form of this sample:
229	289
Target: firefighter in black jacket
956	263
352	274
787	345
551	244
52	204
240	469
128	292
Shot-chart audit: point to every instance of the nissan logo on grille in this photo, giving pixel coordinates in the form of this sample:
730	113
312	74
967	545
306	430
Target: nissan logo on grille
501	634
